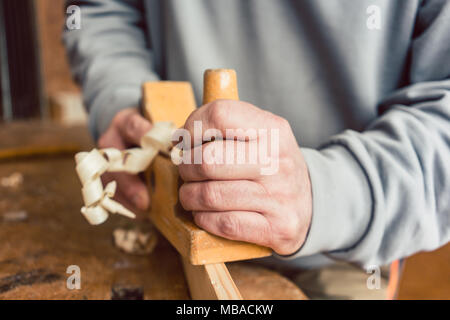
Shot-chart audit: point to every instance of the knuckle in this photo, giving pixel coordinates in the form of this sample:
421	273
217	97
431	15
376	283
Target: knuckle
229	225
133	123
218	111
290	231
286	236
282	123
210	196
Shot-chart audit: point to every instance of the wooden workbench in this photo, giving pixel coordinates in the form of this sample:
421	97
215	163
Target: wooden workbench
36	252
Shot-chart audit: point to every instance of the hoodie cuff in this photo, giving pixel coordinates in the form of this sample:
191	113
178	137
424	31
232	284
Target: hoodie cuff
342	201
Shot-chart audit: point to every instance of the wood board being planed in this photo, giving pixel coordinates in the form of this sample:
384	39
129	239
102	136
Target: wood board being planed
174	101
210	282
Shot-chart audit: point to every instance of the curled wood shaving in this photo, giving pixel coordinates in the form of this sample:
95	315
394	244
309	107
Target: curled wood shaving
158	137
91	165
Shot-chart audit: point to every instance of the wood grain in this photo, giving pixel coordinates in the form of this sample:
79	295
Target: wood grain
210	282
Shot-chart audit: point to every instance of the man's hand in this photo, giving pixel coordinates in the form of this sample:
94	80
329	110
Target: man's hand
125	131
237	201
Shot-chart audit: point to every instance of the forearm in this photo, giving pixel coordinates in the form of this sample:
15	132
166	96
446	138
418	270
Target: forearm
110	57
383	194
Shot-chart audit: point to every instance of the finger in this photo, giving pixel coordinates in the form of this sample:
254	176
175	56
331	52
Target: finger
221	160
122	199
235	120
133	127
236	225
118	196
132	188
240	195
111	139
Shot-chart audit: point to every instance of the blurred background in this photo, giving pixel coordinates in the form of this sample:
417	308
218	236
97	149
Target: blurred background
42	124
35	78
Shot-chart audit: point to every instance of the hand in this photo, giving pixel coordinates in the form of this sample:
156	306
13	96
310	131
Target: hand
125	131
237	201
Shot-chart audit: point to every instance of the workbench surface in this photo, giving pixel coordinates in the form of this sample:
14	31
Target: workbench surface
36	252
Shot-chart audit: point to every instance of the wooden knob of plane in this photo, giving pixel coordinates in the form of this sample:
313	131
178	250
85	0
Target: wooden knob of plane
219	84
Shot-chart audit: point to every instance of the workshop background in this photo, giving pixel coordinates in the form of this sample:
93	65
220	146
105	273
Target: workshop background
42	233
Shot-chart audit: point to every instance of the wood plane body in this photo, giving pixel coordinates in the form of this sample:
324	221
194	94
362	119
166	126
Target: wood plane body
174	101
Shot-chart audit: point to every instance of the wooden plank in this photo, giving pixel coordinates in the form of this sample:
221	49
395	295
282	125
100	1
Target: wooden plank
210	282
174	101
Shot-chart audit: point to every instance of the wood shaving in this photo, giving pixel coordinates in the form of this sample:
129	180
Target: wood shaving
91	165
15	216
12	181
135	241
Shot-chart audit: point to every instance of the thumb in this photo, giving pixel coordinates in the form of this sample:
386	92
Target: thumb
134	127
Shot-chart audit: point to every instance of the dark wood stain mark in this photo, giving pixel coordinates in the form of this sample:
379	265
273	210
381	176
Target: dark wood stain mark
127	292
27	278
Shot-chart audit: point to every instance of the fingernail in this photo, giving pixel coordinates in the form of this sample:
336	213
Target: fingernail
141	201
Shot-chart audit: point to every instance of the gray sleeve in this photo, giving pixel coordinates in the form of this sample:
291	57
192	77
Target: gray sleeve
110	57
384	194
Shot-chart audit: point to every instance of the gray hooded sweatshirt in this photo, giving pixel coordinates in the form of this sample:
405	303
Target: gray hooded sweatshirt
364	84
